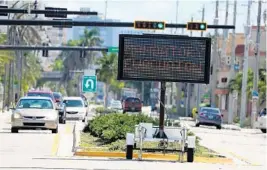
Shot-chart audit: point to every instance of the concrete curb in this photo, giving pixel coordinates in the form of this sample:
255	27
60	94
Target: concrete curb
150	156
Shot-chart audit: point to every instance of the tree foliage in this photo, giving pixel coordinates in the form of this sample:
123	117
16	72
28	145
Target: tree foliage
31	71
236	84
108	70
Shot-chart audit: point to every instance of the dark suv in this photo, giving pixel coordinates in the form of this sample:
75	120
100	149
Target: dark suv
62	112
132	104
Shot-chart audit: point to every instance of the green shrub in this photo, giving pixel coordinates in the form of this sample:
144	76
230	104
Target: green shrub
102	110
114	126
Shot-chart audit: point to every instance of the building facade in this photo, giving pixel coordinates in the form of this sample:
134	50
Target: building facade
222	91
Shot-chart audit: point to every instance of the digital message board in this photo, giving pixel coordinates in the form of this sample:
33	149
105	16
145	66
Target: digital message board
168	58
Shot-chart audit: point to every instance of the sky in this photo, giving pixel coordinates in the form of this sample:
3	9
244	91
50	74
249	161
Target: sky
162	10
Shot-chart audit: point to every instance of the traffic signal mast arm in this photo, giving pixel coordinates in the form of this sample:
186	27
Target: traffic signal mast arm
68	48
95	23
35	11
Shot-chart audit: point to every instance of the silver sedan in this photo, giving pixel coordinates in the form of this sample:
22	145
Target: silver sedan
35	113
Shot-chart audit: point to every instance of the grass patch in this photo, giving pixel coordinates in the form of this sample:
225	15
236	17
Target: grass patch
90	143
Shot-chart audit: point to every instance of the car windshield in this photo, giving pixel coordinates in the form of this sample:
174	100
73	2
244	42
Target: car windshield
205	110
34	104
133	100
73	103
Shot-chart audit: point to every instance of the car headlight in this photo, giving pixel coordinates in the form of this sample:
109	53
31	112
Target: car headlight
17	115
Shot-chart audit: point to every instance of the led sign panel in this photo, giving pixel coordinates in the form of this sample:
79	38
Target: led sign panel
162	57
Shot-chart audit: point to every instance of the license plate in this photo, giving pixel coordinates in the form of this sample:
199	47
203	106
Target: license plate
132	108
210	117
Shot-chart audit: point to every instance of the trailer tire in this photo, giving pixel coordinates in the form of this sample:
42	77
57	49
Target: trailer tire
190	154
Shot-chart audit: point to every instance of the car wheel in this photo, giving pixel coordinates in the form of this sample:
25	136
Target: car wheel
263	130
14	130
124	111
219	127
61	120
64	121
197	125
55	130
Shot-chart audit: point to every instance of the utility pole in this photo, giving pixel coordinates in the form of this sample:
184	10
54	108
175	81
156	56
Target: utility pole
232	71
188	86
257	50
214	59
256	70
198	85
245	69
178	85
225	35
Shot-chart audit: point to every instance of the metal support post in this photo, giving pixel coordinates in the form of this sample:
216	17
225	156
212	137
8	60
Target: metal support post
232	71
256	70
214	57
162	109
245	69
188	87
198	85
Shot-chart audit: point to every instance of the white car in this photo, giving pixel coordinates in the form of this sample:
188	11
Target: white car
116	105
75	108
261	122
35	113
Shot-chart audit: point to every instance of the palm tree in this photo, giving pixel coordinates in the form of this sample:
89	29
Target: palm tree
72	60
107	73
22	35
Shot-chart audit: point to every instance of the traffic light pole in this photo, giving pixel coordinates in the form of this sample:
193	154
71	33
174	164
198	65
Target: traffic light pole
95	24
67	48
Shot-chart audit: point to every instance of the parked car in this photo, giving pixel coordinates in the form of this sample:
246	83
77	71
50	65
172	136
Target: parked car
132	104
62	112
42	93
261	121
75	108
116	105
34	112
210	117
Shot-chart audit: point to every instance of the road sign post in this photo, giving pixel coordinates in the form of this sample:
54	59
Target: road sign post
89	84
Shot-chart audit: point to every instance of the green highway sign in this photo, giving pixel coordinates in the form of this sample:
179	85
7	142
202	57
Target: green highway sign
89	84
113	49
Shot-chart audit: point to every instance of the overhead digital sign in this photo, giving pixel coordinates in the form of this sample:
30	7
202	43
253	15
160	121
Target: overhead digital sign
168	58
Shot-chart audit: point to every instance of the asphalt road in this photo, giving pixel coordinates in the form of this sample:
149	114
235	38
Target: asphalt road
246	147
44	150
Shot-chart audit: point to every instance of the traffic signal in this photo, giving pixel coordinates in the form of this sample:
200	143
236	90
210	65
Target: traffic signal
55	14
2	13
154	25
45	52
196	26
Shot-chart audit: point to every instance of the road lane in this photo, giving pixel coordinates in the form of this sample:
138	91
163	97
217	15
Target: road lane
32	143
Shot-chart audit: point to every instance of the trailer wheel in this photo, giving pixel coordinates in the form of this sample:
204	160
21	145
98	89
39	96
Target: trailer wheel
190	154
